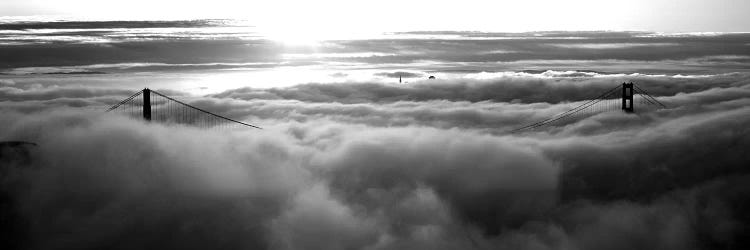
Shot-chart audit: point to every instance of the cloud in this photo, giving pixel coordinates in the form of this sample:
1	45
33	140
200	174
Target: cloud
551	87
151	48
29	98
371	165
399	74
226	44
611	45
381	166
125	67
302	56
318	221
383	105
222	198
56	92
669	179
107	24
242	193
498	173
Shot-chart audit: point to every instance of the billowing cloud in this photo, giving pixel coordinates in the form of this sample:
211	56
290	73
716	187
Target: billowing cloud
346	175
482	105
552	87
239	176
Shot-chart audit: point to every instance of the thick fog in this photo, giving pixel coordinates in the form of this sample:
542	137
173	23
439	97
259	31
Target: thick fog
426	165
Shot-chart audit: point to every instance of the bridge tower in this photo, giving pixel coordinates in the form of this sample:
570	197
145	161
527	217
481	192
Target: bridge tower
147	104
627	97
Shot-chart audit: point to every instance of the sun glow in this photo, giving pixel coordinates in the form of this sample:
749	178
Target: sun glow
293	35
307	24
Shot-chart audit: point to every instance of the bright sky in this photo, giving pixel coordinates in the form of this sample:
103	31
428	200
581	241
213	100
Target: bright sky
338	16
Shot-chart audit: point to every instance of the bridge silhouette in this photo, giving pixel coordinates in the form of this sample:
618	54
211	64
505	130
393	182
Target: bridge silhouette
154	106
620	98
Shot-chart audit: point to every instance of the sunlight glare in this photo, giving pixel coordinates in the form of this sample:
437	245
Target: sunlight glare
292	35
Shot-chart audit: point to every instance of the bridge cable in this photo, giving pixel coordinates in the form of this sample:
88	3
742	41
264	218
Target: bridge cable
569	112
204	111
654	99
124	101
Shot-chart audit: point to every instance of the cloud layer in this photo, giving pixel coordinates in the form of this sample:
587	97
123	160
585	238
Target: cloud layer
426	165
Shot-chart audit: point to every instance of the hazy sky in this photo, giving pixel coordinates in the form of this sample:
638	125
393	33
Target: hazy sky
387	15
